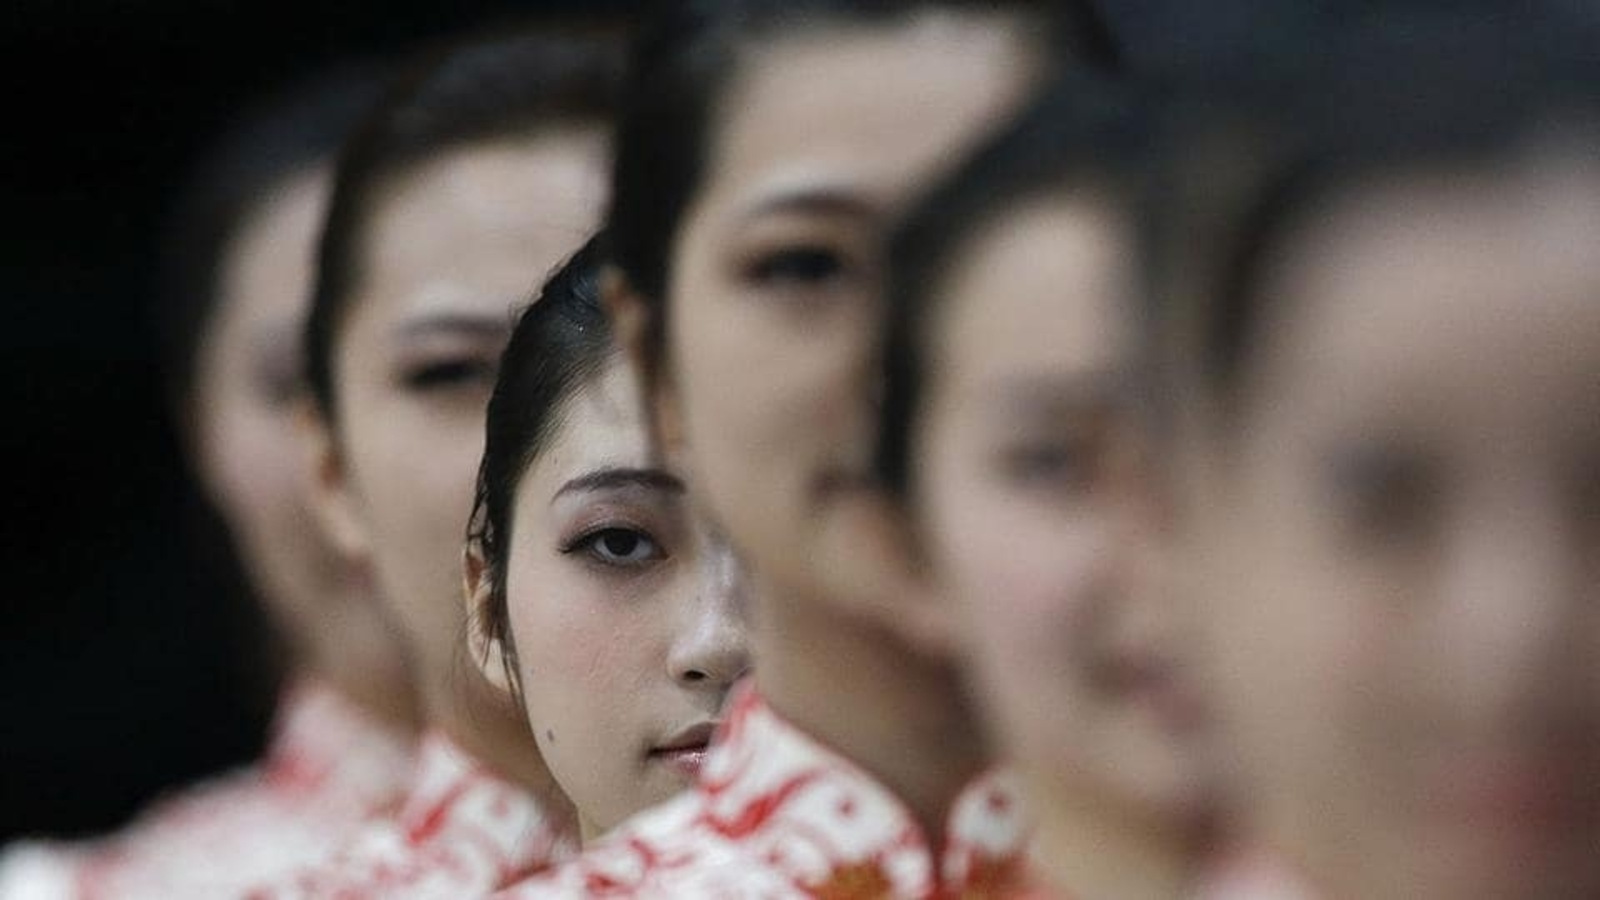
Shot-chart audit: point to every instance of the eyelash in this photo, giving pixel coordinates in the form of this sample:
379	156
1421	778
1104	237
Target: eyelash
798	266
588	544
1385	494
448	373
1073	463
280	390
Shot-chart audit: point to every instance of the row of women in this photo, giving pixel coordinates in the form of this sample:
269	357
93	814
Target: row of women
936	461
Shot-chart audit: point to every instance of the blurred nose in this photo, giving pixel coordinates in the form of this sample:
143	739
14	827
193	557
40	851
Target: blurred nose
711	650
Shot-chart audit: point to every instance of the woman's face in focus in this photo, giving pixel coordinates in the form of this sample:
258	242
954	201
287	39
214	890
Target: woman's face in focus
625	615
247	381
452	250
1400	540
775	278
1031	501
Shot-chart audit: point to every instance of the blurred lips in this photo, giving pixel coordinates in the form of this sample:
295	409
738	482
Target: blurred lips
1151	684
1526	798
685	751
834	481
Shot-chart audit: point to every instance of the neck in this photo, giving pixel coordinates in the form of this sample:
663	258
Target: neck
896	714
356	654
1089	848
488	725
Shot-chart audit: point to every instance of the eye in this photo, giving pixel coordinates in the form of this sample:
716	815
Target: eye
278	377
1071	455
1060	464
1384	494
448	373
280	389
623	547
798	266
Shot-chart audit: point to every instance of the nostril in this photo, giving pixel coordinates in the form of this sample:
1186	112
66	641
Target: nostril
695	675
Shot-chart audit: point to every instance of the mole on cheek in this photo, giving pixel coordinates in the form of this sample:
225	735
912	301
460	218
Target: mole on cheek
550	735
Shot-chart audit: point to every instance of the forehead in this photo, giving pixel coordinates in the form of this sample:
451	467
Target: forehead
268	271
1475	281
877	105
1044	285
479	224
600	425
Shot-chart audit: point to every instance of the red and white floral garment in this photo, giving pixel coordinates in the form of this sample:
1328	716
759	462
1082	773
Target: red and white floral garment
328	769
463	832
777	815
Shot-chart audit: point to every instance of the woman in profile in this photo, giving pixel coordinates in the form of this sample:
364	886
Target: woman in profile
476	176
1384	339
238	265
1021	460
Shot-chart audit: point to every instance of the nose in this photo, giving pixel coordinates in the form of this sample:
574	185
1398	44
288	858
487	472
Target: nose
711	650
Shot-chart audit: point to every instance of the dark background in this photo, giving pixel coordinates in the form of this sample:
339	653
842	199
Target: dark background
123	667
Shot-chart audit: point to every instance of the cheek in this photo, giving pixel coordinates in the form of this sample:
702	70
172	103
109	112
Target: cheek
577	652
1035	613
414	467
770	385
992	541
253	465
410	477
1025	585
1295	653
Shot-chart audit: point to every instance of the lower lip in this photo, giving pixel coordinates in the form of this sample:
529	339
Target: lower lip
1176	712
834	481
686	762
1525	799
1157	692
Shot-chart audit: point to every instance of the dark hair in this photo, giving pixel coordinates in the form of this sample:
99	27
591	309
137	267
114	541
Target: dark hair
494	87
1246	167
682	66
561	344
282	138
1083	133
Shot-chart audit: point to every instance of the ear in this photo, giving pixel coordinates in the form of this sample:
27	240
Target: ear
488	653
636	327
874	564
332	502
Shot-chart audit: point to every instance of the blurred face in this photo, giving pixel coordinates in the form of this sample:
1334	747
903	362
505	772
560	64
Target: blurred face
1029	505
457	245
775	279
1402	541
247	378
625	617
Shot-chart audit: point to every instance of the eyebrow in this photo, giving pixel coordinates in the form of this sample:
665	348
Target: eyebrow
1087	391
614	477
469	324
835	199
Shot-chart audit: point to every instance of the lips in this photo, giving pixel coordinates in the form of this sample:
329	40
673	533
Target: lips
1526	795
685	751
1147	682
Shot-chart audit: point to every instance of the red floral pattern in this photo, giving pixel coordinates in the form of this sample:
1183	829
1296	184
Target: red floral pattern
777	815
463	832
328	769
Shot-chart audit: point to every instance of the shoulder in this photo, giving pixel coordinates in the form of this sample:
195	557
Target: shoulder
667	851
